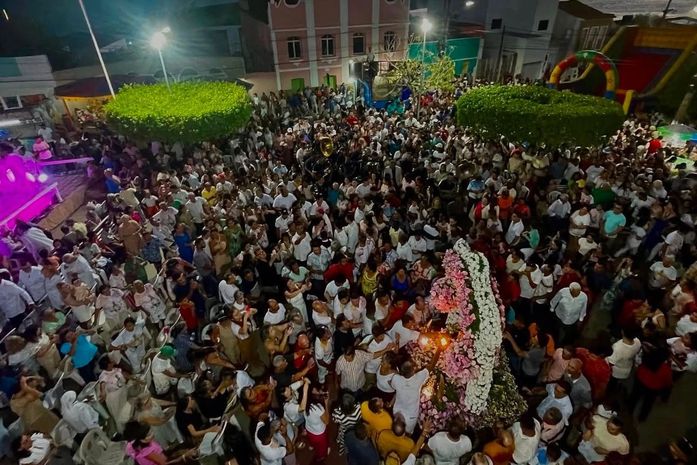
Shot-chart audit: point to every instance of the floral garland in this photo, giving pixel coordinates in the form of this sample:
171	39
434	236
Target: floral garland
489	335
462	380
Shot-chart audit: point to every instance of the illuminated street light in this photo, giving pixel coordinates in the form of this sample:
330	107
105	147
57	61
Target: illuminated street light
158	42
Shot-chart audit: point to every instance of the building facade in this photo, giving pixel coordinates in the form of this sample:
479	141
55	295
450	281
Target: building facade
315	42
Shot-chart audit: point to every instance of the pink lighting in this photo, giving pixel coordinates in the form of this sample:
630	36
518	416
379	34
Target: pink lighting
24	194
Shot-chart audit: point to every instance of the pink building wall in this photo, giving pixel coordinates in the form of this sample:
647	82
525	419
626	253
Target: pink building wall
309	20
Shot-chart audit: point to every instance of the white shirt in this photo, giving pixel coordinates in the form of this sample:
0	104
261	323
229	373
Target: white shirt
33	282
40	447
446	451
514	231
526	290
161	381
568	308
373	365
313	420
272	453
685	326
404	252
227	292
525	446
286	202
408	393
622	358
13	299
563	405
195	207
661	275
303	248
274	318
406	335
579	223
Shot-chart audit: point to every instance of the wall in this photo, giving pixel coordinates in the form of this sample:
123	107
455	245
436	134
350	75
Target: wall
310	20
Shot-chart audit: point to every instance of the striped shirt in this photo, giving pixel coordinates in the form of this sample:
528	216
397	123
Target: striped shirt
353	373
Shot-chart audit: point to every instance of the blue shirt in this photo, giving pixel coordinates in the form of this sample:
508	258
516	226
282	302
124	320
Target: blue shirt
84	351
613	222
360	452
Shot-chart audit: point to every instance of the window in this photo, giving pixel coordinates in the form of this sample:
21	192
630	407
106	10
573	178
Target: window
358	44
294	52
496	23
327	45
599	39
390	41
542	25
10	103
590	38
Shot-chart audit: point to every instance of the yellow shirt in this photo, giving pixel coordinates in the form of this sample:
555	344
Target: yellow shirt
209	195
388	442
375	421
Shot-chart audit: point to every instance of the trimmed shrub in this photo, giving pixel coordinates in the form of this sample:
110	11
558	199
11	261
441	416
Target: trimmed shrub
191	112
539	115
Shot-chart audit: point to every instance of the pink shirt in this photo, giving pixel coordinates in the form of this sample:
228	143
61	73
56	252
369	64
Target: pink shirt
558	366
141	456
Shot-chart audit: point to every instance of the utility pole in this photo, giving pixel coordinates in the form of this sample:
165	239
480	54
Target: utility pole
96	48
499	63
666	10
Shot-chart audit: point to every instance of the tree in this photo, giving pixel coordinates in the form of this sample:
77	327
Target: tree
189	112
437	75
539	115
440	74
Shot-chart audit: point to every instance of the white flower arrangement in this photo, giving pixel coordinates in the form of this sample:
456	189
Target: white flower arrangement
489	335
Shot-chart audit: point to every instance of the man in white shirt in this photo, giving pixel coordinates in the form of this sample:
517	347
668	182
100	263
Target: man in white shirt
271	451
301	242
227	288
449	446
283	222
515	229
580	220
663	274
284	200
569	304
404	331
76	265
623	354
14	301
167	216
557	397
407	386
31	280
526	436
197	207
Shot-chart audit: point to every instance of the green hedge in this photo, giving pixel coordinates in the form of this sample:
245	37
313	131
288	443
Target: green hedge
538	115
191	112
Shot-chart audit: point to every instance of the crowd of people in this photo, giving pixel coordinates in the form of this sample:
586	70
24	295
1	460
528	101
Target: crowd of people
254	300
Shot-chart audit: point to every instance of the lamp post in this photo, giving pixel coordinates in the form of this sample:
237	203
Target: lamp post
96	48
426	27
158	41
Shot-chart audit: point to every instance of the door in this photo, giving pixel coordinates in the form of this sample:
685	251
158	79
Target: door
297	85
330	81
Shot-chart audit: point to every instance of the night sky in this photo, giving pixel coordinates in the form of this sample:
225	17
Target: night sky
109	17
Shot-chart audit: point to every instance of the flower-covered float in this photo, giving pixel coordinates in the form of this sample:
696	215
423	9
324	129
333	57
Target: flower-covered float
471	378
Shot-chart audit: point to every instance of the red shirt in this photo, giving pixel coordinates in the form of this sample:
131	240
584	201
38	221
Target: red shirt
654	146
656	380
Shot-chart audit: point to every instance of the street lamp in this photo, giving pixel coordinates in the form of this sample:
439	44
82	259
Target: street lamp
158	41
426	27
469	4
